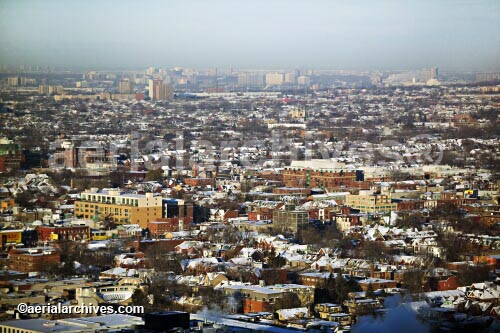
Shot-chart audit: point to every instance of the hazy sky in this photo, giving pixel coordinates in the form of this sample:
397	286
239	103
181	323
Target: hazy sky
337	34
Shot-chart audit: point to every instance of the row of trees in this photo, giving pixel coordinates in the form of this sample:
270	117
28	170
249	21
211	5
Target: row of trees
90	262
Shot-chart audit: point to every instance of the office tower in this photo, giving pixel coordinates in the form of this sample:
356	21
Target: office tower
125	87
274	79
151	71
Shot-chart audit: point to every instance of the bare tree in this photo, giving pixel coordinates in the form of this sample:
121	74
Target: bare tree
413	281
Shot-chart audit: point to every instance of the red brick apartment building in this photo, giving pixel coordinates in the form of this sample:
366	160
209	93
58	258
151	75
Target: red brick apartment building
199	181
292	190
63	233
263	210
258	299
163	225
296	177
33	259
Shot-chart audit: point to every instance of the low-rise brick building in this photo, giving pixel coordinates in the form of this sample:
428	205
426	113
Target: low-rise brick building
161	226
29	260
73	233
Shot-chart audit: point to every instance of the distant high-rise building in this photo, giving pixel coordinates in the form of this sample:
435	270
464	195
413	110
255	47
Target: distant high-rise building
125	87
290	78
13	81
251	80
376	79
50	90
53	90
434	73
151	89
486	77
159	90
303	80
225	71
43	89
26	81
81	84
166	92
94	76
274	79
151	71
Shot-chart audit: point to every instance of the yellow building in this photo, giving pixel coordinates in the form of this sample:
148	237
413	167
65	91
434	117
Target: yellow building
6	203
10	237
371	203
298	113
121	208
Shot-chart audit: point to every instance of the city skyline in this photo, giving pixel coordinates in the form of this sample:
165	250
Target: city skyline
358	35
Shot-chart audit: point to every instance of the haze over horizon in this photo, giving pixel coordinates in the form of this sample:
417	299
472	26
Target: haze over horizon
360	34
